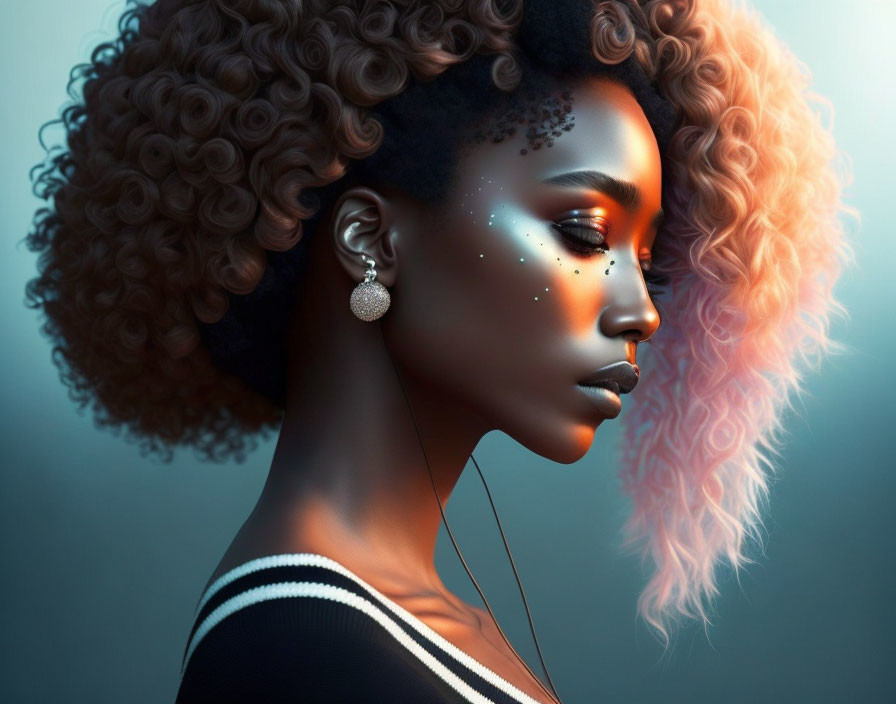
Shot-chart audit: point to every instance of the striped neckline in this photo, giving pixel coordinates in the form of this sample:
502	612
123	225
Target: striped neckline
382	609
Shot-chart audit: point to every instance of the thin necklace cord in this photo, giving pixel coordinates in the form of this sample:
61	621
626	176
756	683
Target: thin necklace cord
517	576
457	548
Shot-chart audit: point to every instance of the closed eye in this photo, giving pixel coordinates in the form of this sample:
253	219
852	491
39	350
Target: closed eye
583	235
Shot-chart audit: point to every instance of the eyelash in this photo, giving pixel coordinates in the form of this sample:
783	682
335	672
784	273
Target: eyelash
654	281
597	242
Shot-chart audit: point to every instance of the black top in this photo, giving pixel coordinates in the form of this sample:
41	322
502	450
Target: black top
304	628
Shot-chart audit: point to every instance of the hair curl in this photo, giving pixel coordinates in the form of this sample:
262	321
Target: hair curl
200	127
753	244
207	128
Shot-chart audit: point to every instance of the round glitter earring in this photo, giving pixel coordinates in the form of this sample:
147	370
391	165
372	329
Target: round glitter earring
370	299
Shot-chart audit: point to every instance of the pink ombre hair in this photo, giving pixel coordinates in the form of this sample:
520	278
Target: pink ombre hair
753	244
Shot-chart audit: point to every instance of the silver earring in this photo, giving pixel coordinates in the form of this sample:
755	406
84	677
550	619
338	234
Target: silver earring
370	299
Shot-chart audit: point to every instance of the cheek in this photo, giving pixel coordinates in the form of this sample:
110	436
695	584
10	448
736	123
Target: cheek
512	285
491	299
531	280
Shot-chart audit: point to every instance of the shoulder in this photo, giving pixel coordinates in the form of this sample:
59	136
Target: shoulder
277	637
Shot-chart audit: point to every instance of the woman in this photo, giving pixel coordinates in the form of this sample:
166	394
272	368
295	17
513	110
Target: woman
392	227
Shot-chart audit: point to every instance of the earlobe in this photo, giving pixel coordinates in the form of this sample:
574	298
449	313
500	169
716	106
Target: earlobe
361	224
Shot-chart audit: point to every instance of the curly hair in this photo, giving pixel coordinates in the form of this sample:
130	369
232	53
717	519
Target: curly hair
210	133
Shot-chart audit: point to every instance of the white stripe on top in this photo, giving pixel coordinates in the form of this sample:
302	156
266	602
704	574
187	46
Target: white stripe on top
328	591
315	560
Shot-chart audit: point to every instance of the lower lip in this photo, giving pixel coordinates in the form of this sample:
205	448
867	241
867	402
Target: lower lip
609	403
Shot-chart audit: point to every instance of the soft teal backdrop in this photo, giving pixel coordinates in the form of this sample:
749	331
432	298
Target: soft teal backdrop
105	553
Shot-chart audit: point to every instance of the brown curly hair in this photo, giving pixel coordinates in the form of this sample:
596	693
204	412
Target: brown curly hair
200	127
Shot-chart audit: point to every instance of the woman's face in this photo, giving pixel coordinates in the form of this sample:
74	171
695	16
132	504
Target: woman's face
529	279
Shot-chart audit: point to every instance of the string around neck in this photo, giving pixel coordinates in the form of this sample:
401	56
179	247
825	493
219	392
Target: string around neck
553	691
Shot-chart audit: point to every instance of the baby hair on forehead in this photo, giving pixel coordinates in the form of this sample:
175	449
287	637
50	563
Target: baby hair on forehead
546	117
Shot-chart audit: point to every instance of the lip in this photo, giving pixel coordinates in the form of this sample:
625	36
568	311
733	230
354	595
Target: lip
606	400
604	386
619	378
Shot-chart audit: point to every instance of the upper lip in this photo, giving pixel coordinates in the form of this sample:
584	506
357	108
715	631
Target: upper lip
619	377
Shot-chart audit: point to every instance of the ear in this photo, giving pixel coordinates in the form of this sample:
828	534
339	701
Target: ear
361	223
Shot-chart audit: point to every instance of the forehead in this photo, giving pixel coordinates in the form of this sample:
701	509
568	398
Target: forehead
610	134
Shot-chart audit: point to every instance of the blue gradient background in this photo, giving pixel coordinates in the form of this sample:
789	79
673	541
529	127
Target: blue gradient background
104	553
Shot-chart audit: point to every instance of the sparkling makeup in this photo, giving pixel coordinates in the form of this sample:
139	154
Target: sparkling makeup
511	297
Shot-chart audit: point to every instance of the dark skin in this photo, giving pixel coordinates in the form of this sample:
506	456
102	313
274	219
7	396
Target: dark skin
481	343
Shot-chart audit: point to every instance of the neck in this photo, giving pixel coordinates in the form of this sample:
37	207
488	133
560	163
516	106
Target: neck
349	478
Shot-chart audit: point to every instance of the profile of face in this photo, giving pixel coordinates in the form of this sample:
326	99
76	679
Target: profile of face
528	277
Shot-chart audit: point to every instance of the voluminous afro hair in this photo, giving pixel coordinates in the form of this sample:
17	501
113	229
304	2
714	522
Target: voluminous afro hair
210	134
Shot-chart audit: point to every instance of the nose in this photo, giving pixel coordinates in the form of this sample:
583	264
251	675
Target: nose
630	313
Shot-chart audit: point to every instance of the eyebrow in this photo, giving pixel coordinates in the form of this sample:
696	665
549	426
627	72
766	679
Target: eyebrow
627	194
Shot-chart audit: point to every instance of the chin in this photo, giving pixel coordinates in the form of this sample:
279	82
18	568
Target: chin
565	446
